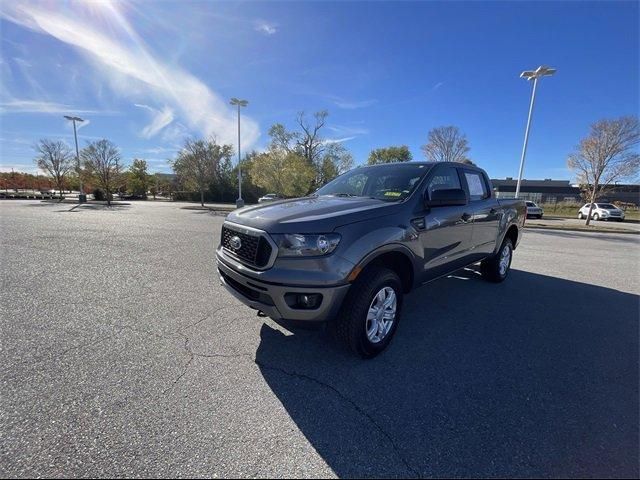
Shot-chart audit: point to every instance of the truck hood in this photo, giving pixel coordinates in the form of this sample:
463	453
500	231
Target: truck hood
311	214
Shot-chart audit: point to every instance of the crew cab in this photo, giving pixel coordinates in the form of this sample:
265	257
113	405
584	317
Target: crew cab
349	253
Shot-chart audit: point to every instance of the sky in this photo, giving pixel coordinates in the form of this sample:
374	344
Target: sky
146	75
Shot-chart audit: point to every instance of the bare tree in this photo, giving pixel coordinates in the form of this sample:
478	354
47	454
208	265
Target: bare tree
309	142
606	155
199	163
102	158
446	144
55	158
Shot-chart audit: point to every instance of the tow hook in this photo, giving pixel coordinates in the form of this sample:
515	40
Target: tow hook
261	313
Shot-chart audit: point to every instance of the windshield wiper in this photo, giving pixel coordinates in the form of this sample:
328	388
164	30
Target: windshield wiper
344	195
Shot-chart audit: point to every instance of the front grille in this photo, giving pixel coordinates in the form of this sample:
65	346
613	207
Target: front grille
254	250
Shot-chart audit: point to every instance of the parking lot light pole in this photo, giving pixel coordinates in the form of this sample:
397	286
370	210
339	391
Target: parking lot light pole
81	197
239	103
534	75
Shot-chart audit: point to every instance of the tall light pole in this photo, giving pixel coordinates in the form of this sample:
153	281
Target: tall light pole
81	197
239	103
534	75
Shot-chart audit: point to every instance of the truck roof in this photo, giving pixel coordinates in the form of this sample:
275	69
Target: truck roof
430	164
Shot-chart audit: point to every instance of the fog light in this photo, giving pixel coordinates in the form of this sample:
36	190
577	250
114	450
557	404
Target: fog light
304	301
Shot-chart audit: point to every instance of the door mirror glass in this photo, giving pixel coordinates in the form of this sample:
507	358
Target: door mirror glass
446	198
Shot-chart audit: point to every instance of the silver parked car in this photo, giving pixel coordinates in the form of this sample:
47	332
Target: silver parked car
269	197
534	210
602	211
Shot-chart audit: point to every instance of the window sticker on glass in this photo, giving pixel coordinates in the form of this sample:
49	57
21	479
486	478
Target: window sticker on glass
476	186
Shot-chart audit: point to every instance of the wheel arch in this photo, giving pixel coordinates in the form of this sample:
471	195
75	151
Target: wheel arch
395	257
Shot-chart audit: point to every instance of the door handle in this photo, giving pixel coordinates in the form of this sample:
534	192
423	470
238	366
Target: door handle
465	217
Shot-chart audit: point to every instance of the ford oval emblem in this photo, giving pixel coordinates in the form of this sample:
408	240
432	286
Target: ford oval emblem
235	243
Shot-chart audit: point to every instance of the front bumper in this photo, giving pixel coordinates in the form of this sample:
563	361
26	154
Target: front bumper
270	298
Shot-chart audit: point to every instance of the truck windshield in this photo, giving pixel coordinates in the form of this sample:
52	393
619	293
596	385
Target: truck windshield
389	182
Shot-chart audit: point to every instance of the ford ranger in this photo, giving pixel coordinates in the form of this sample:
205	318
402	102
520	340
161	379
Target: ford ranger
349	253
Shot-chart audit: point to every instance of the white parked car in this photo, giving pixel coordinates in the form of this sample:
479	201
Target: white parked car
534	210
602	211
269	197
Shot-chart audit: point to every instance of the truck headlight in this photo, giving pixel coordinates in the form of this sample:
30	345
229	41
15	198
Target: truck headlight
303	245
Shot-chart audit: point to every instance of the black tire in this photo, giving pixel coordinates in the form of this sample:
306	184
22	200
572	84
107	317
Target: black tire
350	328
490	267
539	217
580	216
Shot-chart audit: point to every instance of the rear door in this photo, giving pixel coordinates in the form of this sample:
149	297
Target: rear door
446	236
485	213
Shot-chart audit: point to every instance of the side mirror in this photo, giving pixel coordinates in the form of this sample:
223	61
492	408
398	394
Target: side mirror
446	198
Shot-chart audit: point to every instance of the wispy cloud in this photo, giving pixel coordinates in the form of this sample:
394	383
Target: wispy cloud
36	106
337	140
265	27
437	86
132	69
352	104
348	130
160	119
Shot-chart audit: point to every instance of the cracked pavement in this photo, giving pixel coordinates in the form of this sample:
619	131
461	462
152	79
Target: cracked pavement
123	357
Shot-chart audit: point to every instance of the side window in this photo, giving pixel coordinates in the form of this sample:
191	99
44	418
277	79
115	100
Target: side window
445	178
477	187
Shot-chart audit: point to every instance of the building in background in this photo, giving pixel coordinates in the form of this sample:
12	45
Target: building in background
556	191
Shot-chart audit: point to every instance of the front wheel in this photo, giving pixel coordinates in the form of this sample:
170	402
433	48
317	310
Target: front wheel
496	268
596	217
370	314
580	216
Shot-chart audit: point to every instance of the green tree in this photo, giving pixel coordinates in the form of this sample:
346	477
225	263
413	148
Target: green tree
138	181
327	158
198	164
390	155
102	160
277	171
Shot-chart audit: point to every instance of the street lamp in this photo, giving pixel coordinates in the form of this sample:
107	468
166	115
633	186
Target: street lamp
534	75
81	196
239	103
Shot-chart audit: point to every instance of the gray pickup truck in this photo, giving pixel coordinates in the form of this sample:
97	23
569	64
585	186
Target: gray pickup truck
347	254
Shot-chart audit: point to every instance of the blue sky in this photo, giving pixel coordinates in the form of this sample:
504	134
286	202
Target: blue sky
147	74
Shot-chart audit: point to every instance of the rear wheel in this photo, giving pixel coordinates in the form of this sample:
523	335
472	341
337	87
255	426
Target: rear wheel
496	268
370	314
580	216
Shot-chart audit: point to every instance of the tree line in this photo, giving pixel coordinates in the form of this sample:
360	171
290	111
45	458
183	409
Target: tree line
296	162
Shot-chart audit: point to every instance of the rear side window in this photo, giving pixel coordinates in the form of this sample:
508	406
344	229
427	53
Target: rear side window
477	187
444	179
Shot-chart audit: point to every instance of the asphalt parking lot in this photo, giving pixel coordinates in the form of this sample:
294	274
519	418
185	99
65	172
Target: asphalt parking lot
122	356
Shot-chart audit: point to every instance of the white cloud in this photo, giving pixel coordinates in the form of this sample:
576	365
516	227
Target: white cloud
36	106
437	86
160	119
337	140
132	70
352	105
265	27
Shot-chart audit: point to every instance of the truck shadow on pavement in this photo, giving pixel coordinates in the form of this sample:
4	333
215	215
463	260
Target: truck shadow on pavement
534	377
